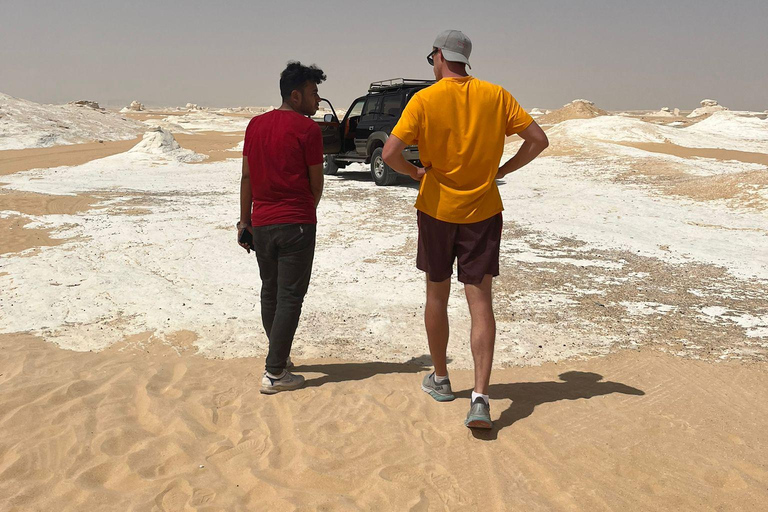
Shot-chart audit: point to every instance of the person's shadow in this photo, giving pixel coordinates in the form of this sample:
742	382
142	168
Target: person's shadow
343	372
526	396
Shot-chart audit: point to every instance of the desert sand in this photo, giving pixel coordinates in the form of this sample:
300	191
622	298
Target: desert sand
630	361
151	426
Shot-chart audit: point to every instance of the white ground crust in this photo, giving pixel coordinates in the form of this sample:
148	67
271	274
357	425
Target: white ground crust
723	130
173	263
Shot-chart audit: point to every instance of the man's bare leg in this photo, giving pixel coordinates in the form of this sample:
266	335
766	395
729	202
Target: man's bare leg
483	334
436	322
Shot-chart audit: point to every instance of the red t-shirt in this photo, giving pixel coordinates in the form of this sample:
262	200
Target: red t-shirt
280	146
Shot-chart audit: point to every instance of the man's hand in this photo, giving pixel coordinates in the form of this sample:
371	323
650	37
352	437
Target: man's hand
246	199
240	228
420	172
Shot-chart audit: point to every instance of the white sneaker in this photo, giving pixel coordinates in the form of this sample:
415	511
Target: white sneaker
287	382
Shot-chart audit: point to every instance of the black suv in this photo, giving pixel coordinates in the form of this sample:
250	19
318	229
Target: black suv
361	135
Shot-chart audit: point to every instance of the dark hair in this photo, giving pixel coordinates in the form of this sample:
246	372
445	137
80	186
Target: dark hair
295	75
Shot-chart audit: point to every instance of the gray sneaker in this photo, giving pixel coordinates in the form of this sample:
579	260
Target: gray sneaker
479	415
440	392
287	382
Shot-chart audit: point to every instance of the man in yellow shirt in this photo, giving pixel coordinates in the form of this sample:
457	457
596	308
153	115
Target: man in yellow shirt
460	124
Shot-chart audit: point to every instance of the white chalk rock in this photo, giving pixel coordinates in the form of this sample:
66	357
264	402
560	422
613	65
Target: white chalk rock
707	107
160	142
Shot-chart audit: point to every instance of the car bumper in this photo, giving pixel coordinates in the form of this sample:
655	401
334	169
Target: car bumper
411	153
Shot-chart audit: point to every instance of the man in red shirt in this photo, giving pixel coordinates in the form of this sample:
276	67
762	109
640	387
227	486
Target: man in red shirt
281	185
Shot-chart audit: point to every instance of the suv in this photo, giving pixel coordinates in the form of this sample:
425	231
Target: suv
361	135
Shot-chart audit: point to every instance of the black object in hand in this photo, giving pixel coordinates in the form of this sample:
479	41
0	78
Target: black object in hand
246	237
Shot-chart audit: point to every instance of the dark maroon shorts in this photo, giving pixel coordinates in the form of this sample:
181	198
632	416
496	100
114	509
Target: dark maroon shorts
475	246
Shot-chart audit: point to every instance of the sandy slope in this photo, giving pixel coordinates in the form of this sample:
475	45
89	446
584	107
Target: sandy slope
16	160
140	427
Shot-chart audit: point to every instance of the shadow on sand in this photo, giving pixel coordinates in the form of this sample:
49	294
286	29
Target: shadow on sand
526	396
344	372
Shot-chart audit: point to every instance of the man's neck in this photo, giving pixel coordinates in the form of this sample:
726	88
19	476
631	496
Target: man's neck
457	71
286	106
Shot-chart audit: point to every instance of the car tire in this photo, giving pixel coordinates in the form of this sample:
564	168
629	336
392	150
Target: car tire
383	175
330	167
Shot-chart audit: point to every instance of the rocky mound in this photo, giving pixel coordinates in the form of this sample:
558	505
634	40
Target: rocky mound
86	103
26	124
707	107
135	106
664	112
577	109
158	141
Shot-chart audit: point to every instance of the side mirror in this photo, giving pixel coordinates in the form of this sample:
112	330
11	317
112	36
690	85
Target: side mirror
328	118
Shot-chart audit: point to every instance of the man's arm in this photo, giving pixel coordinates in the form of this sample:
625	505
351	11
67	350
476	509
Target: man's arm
393	156
246	199
316	181
536	141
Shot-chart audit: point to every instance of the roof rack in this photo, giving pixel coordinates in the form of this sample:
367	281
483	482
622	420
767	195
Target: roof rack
397	83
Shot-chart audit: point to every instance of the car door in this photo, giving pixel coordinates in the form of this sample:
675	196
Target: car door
330	127
367	123
349	125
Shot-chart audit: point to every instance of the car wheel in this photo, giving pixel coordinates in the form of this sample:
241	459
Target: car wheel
330	167
382	174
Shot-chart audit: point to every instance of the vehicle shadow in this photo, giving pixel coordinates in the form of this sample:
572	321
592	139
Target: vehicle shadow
365	177
343	372
526	396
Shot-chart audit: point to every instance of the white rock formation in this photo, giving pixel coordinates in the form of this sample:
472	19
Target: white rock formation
707	107
664	112
158	141
26	124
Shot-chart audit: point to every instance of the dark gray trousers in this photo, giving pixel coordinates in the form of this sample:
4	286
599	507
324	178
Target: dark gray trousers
284	253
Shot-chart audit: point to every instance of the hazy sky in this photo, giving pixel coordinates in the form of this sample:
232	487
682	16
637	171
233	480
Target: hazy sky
620	54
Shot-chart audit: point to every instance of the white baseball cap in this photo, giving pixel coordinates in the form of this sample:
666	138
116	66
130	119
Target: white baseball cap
455	45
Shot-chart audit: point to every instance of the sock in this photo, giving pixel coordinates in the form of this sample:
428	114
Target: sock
484	397
276	377
439	379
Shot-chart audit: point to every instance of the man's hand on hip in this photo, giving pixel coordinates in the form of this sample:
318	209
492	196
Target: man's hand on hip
419	173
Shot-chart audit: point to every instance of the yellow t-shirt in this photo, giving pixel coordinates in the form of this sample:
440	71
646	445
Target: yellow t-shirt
460	125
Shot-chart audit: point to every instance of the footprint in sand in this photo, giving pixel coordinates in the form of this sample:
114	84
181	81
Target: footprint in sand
202	497
429	434
440	481
164	379
252	448
396	400
175	497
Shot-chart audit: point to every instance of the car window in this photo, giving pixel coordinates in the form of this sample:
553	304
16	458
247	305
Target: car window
410	95
357	108
372	105
390	106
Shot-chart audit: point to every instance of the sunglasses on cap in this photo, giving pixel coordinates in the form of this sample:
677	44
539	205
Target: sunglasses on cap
430	57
